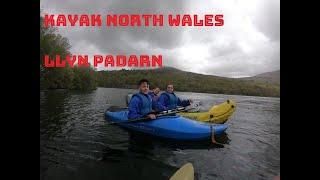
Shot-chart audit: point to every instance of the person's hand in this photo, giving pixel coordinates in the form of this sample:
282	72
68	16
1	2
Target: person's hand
152	116
191	101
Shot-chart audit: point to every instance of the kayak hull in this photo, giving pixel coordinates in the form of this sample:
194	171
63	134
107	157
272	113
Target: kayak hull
173	127
218	114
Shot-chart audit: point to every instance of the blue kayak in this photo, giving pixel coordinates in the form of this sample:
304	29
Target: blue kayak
174	127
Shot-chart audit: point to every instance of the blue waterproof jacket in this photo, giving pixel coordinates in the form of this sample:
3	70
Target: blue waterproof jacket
139	106
168	101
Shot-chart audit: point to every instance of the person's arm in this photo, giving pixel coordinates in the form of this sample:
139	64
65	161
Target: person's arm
183	103
161	104
154	105
133	108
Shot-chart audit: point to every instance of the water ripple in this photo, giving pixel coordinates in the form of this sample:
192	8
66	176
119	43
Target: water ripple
76	141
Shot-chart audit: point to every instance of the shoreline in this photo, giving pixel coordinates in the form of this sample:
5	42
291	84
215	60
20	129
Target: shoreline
45	90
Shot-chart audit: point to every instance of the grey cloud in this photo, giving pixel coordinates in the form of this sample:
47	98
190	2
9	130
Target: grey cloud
224	50
112	39
226	55
235	63
268	19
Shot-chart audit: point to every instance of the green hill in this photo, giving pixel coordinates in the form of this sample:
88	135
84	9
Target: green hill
268	77
187	81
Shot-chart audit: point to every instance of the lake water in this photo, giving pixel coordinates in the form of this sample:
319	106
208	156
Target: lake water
77	143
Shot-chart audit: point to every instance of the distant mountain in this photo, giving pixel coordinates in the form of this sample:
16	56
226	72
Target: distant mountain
268	77
187	81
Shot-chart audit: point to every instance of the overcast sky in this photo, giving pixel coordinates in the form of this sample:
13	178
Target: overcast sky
247	44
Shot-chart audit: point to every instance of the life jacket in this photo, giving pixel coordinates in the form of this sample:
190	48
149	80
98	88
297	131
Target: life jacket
173	100
153	96
146	100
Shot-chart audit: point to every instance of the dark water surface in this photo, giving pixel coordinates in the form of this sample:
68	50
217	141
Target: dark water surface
76	142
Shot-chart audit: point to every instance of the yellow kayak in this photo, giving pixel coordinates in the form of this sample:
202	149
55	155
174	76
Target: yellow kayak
218	114
186	172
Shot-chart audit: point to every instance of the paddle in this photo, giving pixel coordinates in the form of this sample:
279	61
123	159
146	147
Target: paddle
186	172
194	106
158	114
179	108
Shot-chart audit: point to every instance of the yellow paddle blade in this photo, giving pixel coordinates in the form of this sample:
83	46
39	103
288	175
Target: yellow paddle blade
186	172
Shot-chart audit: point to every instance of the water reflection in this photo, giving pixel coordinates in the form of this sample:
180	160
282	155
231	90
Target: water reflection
77	143
53	121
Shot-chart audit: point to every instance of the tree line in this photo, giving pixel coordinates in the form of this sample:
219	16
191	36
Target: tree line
52	44
186	81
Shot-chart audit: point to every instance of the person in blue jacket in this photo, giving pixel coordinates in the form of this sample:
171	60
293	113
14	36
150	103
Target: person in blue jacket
168	100
154	93
141	103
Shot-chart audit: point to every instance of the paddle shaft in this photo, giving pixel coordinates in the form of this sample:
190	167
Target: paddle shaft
159	114
141	119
